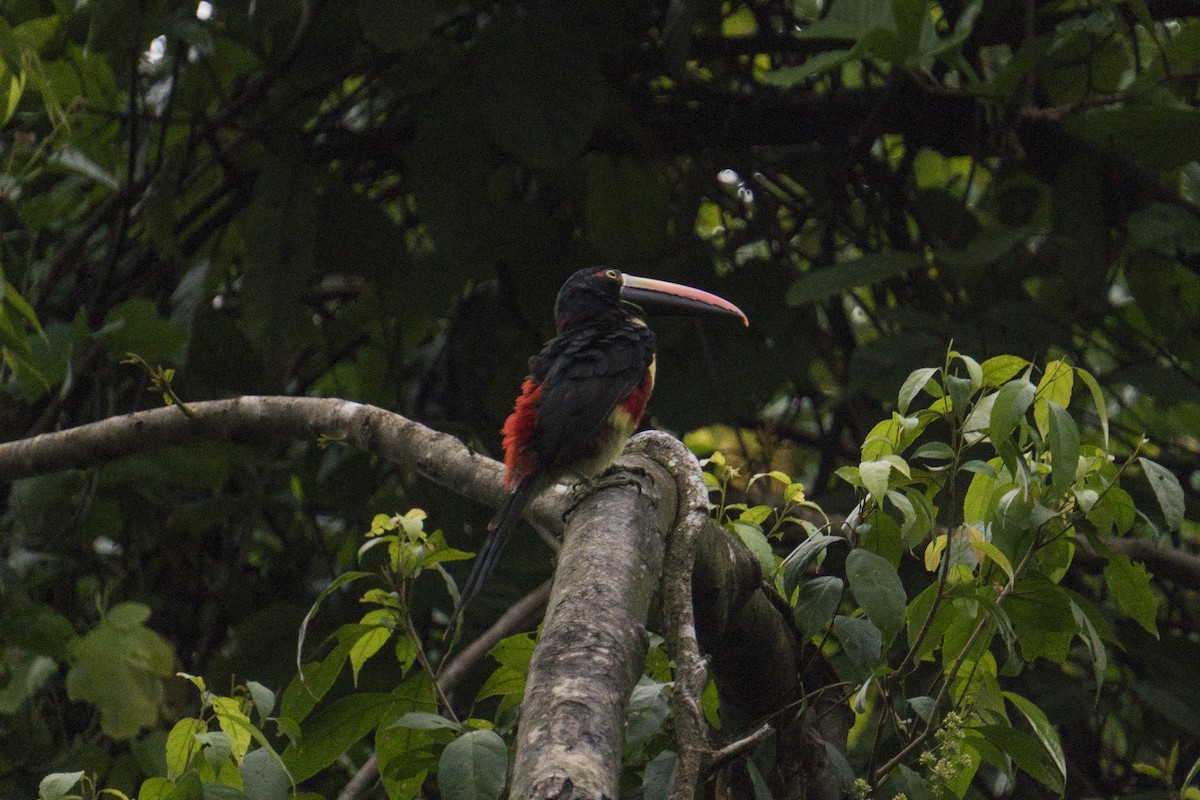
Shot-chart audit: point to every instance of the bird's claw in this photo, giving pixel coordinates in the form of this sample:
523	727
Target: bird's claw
611	478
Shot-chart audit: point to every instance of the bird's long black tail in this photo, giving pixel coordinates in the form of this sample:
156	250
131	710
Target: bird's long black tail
499	529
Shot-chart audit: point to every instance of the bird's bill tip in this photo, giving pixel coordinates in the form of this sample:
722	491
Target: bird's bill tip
667	297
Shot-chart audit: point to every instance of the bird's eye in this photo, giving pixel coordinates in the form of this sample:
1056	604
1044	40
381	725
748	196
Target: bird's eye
612	274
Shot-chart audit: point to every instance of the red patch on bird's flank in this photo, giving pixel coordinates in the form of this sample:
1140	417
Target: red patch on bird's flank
517	430
634	403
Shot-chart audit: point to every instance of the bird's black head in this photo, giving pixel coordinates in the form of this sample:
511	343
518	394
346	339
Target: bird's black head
599	295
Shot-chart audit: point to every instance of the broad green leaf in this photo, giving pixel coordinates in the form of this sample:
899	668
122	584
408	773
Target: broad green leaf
1041	616
367	645
235	724
991	551
999	370
136	327
263	777
862	643
799	559
1129	583
1168	491
756	515
817	64
1063	438
1012	401
56	785
1054	387
756	542
182	746
659	775
1026	752
874	476
913	385
264	699
817	603
646	712
473	767
1043	729
333	730
119	667
877	588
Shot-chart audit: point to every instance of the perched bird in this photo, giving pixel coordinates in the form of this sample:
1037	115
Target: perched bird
586	390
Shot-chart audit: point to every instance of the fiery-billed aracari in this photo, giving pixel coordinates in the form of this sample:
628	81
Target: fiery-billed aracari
586	390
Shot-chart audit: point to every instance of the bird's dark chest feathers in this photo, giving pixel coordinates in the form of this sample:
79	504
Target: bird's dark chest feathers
585	395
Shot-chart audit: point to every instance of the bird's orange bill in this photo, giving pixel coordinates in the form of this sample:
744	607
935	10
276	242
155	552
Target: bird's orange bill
664	297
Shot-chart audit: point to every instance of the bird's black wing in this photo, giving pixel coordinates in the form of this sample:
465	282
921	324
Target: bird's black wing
584	374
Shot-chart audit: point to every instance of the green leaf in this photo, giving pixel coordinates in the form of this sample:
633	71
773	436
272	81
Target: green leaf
1044	730
815	65
659	776
263	777
367	645
861	642
874	475
264	699
333	730
756	542
182	746
235	724
1129	583
1026	752
817	603
136	327
473	767
1054	387
1168	491
799	559
648	709
1063	439
1092	640
999	370
56	785
838	278
1097	400
877	588
1012	401
913	385
119	667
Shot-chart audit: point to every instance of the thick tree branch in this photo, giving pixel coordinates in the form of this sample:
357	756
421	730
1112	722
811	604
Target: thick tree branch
594	639
437	456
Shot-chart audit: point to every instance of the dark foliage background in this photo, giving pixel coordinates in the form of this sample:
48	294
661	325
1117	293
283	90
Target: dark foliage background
378	200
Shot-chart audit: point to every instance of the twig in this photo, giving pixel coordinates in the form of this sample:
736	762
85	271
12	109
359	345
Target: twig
736	748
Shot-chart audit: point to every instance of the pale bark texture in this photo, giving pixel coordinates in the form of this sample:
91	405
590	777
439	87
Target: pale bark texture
594	642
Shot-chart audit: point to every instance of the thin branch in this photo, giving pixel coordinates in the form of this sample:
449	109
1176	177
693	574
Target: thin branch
679	623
